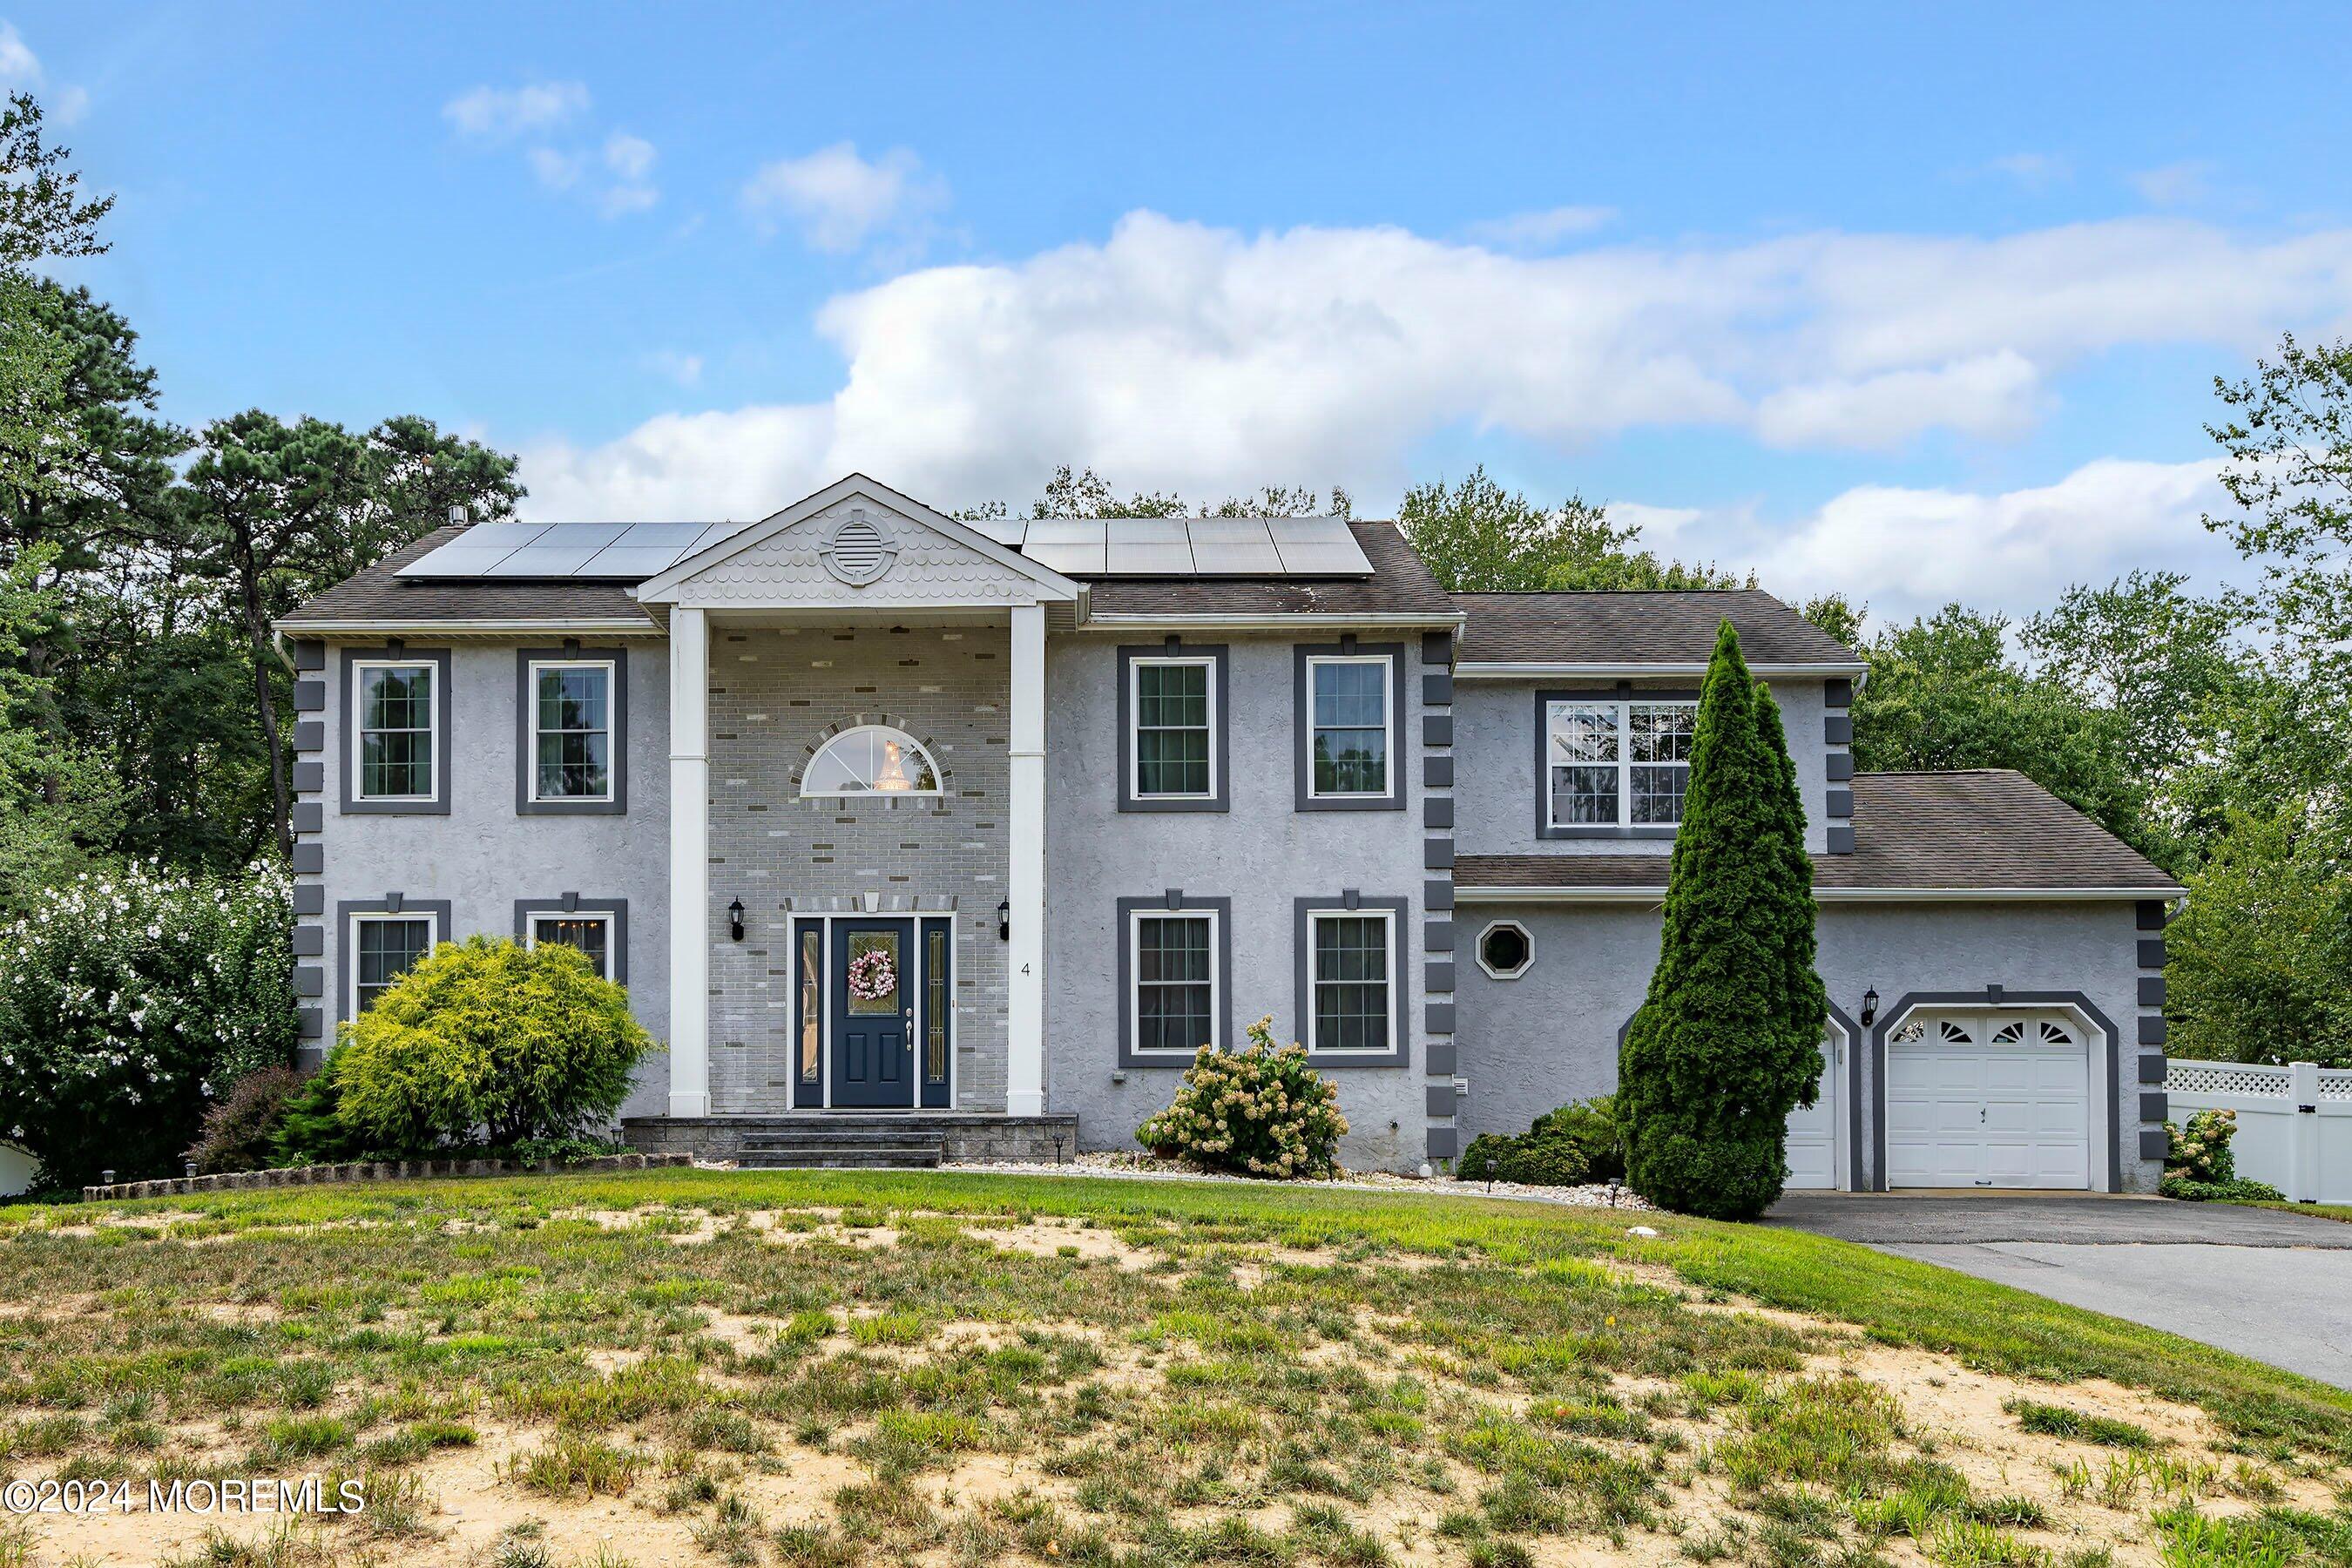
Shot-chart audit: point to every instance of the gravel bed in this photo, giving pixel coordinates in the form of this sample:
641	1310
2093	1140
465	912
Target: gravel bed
1144	1168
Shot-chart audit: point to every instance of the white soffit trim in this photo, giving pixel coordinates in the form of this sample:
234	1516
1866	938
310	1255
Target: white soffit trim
1658	894
1489	671
1274	623
662	589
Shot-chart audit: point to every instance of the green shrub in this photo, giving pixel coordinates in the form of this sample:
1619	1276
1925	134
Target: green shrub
1260	1111
128	1001
1531	1159
1592	1126
1728	1041
2239	1189
487	1037
2200	1153
310	1129
241	1132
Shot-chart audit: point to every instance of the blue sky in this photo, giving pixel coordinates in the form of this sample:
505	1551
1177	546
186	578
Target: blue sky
1917	302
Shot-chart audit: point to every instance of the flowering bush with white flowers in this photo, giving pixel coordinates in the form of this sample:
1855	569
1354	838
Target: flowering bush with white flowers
1260	1111
130	999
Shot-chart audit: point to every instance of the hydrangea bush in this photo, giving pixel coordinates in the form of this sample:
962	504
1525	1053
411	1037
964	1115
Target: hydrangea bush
128	1001
1260	1111
2201	1166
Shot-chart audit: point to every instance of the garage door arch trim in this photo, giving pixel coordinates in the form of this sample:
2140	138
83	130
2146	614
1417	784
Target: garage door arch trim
1999	998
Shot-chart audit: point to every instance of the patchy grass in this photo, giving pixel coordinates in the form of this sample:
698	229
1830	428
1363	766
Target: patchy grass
2342	1212
828	1369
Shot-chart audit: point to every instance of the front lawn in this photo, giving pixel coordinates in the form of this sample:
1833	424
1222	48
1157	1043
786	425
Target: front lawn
821	1369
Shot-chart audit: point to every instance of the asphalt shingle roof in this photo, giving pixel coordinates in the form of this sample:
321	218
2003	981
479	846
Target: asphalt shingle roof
1662	627
376	593
1400	584
1990	828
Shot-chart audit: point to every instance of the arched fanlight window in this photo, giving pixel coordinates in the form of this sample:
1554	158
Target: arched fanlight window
873	759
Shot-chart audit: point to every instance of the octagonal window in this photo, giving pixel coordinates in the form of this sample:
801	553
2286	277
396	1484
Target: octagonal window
1506	950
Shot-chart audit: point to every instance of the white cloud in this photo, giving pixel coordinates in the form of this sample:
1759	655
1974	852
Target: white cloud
1540	230
1910	550
682	368
630	158
506	112
556	170
839	199
21	71
2174	184
1176	354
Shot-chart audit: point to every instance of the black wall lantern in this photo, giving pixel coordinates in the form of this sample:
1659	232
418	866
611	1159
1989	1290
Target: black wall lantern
1004	921
1869	1007
735	920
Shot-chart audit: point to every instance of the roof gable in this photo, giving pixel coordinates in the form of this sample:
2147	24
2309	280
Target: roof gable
854	542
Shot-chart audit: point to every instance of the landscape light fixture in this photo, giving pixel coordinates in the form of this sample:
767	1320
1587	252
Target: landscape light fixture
1004	921
735	920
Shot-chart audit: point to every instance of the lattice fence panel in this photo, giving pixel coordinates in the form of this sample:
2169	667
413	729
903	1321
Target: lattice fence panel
2226	1077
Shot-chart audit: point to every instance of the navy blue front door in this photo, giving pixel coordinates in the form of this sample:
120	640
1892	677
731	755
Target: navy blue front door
873	978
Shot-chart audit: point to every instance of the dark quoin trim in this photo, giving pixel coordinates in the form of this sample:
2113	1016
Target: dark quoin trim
1437	772
2155	1107
309	696
1437	811
2153	1065
1437	975
1437	1098
1837	729
1302	706
309	941
1438	896
1443	1142
527	732
1624	691
309	899
2152	914
309	858
1220	699
1437	854
1839	838
1437	648
1179	902
1437	688
1399	982
347	737
1840	766
1437	729
310	656
390	904
1437	936
2151	1030
310	778
2151	990
1893	1012
2152	952
308	816
2155	1144
1840	799
617	909
1437	1061
310	735
1838	693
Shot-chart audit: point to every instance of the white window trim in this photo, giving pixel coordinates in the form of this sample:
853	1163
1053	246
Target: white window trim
1625	763
1388	957
1387	725
612	682
1478	950
1135	724
938	778
530	919
432	729
1135	919
432	917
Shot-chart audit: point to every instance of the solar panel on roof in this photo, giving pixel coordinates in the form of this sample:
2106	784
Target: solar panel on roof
1233	546
630	563
510	535
675	536
459	560
1068	544
1317	547
1150	547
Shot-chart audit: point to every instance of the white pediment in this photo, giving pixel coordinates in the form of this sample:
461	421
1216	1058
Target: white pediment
856	543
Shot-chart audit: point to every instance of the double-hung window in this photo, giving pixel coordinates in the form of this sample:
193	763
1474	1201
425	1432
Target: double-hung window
1616	763
1350	714
589	931
395	707
571	729
1175	970
1351	994
1172	739
384	947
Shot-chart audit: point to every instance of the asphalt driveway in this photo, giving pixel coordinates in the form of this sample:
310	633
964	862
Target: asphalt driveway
2266	1283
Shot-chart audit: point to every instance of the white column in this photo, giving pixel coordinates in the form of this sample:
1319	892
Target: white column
690	863
1025	1009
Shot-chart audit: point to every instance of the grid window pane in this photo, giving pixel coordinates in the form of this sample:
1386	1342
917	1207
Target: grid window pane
396	731
384	950
591	934
1351	747
1658	795
1172	729
1583	733
1582	795
1351	982
1662	732
1174	988
574	733
934	1007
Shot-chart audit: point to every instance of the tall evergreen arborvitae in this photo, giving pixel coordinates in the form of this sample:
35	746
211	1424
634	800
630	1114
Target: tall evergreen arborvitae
1727	1042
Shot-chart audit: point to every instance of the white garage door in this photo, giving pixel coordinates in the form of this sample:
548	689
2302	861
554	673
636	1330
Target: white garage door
1812	1131
1988	1099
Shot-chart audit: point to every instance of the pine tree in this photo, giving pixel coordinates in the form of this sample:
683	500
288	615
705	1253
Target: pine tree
1728	1041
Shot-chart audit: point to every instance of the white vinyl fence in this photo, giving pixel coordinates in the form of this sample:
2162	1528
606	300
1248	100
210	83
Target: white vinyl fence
2295	1122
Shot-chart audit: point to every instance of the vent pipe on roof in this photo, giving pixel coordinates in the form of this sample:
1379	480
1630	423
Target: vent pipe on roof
457	514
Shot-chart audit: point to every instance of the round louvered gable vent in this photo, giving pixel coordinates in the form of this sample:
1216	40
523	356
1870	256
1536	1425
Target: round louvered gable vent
859	551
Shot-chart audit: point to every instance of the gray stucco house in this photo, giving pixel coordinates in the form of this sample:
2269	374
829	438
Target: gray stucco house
910	833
